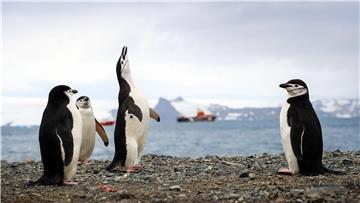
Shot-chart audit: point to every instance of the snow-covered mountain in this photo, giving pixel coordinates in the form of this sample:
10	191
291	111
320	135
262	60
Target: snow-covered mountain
171	109
341	108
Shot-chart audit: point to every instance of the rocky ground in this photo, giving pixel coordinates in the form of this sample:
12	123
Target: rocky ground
207	179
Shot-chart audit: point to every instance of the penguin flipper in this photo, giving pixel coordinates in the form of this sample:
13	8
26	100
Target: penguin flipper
102	133
296	135
134	109
67	143
154	115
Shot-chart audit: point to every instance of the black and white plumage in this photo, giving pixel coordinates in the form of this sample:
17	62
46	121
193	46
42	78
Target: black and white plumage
131	121
300	131
89	129
60	137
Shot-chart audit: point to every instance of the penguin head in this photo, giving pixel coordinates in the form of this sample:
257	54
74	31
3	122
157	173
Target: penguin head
83	102
295	88
123	66
61	93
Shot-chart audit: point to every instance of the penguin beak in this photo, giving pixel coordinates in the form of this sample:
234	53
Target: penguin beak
284	85
74	91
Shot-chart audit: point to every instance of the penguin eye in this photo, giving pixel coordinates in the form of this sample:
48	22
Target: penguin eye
296	85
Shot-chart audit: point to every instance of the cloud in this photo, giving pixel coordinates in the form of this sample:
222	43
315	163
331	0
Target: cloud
233	50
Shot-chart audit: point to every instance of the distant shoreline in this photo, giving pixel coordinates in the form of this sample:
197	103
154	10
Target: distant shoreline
206	179
29	160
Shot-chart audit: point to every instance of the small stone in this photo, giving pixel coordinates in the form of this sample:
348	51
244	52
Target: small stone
280	199
312	193
244	175
273	195
118	178
252	176
266	194
215	198
347	161
181	196
297	191
175	188
232	196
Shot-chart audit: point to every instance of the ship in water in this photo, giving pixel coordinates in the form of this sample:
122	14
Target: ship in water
107	122
200	116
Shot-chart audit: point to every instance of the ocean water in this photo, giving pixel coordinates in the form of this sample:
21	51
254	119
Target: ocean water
222	138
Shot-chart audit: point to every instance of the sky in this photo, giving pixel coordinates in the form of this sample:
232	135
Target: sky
229	52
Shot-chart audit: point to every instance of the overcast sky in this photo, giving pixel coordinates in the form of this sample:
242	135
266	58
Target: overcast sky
224	51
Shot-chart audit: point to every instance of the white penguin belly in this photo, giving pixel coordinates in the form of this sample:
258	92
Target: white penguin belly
286	140
88	134
70	170
136	131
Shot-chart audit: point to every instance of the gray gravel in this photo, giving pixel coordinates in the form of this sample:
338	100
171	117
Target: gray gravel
207	179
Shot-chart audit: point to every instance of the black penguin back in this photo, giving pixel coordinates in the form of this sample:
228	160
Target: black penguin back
301	114
56	119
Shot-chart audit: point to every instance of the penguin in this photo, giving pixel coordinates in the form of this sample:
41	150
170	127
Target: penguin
131	121
60	137
301	133
90	125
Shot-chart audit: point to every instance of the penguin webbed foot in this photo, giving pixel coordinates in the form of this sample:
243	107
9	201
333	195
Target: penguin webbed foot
134	169
45	180
33	183
333	172
110	167
284	171
70	182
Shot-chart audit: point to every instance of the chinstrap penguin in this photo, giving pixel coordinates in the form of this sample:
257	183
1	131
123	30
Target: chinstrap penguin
132	119
301	133
60	137
90	127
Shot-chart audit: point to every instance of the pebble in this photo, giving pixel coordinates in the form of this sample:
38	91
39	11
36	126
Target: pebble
347	161
231	196
175	188
297	191
181	196
171	179
215	198
244	175
252	176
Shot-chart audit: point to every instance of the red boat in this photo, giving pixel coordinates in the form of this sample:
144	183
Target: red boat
107	122
200	116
